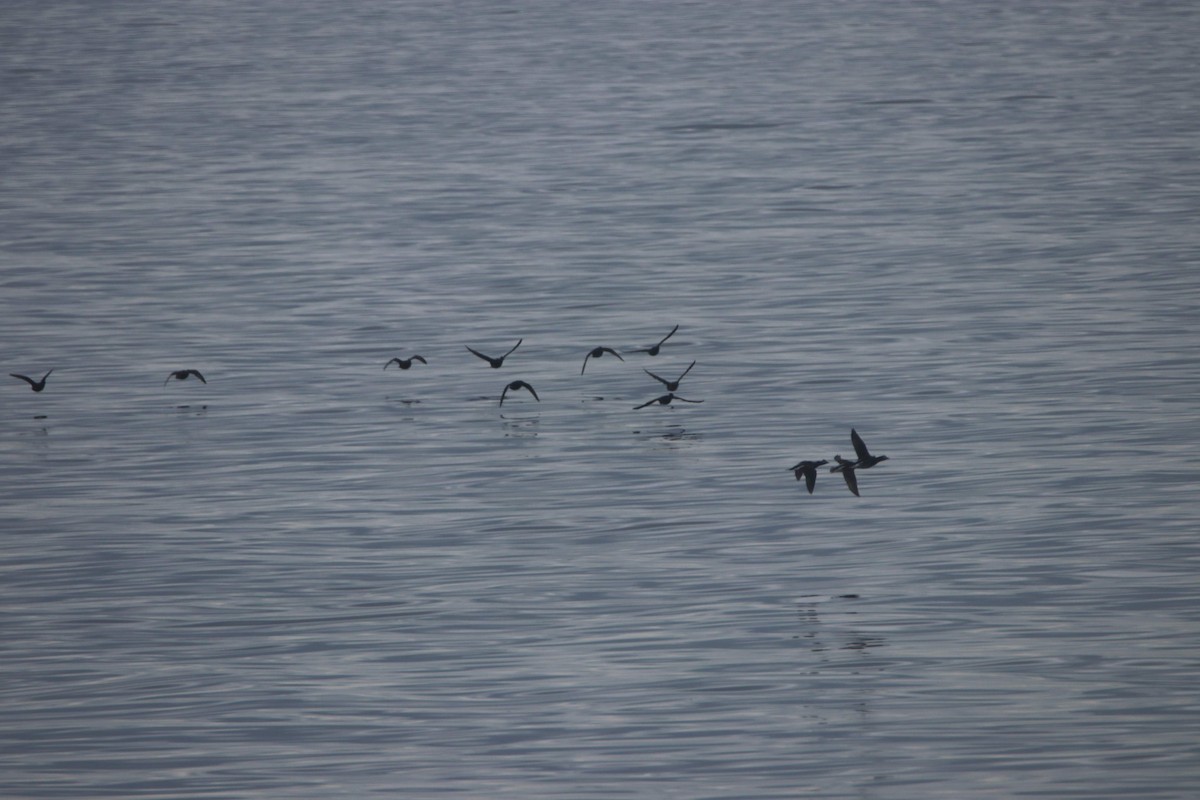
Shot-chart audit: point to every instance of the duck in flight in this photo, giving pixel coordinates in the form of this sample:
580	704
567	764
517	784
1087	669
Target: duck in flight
182	375
666	399
496	363
865	459
37	386
846	467
808	471
596	352
653	351
671	385
404	363
514	386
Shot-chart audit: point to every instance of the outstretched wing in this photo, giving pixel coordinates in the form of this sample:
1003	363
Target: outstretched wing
531	391
514	347
196	372
25	378
860	447
668	336
652	375
476	352
851	480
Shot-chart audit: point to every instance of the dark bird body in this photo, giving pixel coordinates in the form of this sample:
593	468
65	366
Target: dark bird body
596	352
808	471
182	375
666	399
496	363
404	363
37	386
671	385
514	386
653	351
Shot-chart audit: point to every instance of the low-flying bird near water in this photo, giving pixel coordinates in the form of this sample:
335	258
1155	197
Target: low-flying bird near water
37	386
496	363
666	399
404	363
514	386
596	352
671	385
182	375
808	471
653	351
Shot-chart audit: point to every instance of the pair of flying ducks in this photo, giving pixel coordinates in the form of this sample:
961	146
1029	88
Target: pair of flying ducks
179	375
808	469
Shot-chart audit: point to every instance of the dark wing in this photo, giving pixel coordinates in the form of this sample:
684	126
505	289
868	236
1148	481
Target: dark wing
531	391
660	380
585	360
614	352
685	372
647	403
196	372
476	352
668	336
685	400
503	395
25	378
810	477
514	347
851	479
418	358
394	360
860	447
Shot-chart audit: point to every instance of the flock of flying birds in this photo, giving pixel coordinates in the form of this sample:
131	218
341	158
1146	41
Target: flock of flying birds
806	470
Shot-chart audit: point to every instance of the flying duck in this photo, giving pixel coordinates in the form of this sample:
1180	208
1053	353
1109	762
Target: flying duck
596	352
496	363
37	386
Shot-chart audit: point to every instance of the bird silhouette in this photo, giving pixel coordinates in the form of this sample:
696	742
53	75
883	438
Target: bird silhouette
808	471
182	375
846	467
496	363
666	399
514	386
671	385
404	363
596	352
653	351
37	386
865	459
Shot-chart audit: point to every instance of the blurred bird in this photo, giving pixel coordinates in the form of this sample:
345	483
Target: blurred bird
596	352
808	471
404	363
182	375
37	386
514	386
496	363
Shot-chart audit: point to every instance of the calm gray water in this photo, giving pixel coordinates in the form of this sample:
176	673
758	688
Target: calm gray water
966	230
